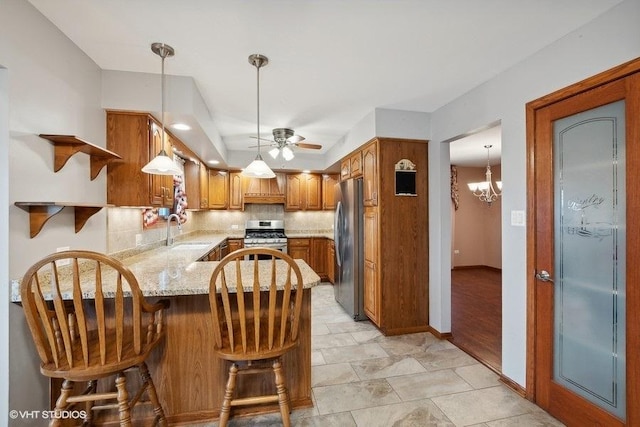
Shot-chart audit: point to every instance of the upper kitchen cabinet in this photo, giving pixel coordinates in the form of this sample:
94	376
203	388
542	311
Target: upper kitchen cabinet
370	174
304	192
137	137
328	191
218	189
236	193
351	166
196	178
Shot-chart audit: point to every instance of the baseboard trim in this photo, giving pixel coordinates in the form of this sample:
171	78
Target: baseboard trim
513	386
438	334
472	267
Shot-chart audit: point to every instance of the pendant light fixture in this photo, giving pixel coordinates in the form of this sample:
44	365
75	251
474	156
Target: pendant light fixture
258	168
484	190
162	164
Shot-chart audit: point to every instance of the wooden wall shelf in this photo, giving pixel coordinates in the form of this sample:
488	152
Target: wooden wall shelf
66	146
41	212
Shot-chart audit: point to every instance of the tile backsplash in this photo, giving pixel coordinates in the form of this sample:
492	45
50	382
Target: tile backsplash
123	224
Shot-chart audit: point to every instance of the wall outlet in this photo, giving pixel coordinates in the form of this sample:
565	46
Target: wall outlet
456	251
63	261
234	226
138	239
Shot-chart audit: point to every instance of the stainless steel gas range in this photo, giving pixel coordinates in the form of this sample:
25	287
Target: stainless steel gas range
265	233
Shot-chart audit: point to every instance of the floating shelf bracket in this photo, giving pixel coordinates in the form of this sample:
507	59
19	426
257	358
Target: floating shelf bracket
66	146
41	212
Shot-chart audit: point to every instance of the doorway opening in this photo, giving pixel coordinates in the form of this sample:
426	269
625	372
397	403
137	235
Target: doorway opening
476	258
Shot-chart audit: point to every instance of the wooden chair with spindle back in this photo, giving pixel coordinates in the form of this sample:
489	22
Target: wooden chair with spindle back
257	324
89	320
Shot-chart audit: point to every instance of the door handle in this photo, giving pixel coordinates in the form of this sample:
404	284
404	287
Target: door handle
544	276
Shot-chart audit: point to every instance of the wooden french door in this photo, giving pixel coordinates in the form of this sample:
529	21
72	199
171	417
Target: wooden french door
584	250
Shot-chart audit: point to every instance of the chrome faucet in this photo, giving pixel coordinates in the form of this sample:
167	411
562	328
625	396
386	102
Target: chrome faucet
169	236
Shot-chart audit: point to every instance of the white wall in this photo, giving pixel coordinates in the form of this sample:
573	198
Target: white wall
53	88
609	40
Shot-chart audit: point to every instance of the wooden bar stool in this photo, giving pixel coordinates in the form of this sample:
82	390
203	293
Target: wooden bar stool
89	320
257	324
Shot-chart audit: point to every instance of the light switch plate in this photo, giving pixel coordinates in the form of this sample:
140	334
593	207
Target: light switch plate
518	218
138	239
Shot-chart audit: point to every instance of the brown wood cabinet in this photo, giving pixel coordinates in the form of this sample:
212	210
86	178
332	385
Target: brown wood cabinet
235	190
218	189
351	166
235	244
370	174
304	192
396	285
331	261
196	181
319	247
300	248
328	191
137	137
372	288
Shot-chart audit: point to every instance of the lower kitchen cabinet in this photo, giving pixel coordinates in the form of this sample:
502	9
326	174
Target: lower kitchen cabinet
234	244
331	261
300	248
372	288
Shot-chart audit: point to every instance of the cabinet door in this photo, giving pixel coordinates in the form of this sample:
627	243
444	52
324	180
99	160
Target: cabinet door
345	169
218	189
204	186
234	244
300	249
313	192
192	183
328	191
372	291
295	192
157	187
331	262
371	301
235	190
370	175
355	164
319	256
167	181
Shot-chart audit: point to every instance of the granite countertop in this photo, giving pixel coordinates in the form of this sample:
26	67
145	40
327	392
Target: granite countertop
175	271
301	234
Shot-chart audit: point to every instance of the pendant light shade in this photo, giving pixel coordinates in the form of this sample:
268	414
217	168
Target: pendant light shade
162	164
258	168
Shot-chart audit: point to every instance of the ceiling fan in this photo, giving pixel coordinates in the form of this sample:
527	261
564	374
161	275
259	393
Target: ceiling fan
283	140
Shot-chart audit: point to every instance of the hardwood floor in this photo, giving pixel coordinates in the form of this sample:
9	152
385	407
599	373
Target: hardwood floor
476	313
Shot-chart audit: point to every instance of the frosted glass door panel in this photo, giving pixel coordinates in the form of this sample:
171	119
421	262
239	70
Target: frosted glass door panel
589	294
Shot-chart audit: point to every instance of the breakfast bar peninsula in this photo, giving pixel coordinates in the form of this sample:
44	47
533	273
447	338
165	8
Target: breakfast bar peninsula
189	377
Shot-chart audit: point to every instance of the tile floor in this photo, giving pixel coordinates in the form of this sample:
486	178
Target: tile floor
362	378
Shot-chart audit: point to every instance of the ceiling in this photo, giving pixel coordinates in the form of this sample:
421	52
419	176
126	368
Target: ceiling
332	62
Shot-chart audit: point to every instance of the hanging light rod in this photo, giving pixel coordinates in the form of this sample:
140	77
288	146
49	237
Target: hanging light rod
162	164
258	168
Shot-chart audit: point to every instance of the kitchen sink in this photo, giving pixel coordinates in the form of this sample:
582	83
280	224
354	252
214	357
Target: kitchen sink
190	246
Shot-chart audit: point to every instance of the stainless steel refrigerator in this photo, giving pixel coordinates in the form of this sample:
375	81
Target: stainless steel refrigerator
348	239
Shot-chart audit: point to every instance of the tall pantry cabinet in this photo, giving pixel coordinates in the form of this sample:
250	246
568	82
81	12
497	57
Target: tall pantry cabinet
396	258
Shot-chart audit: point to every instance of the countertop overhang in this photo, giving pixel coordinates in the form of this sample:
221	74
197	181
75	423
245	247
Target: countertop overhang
175	270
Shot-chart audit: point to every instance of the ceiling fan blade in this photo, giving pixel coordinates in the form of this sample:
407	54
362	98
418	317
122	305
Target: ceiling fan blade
263	139
310	146
273	144
295	139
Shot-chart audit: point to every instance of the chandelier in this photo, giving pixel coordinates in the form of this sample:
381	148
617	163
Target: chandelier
484	190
